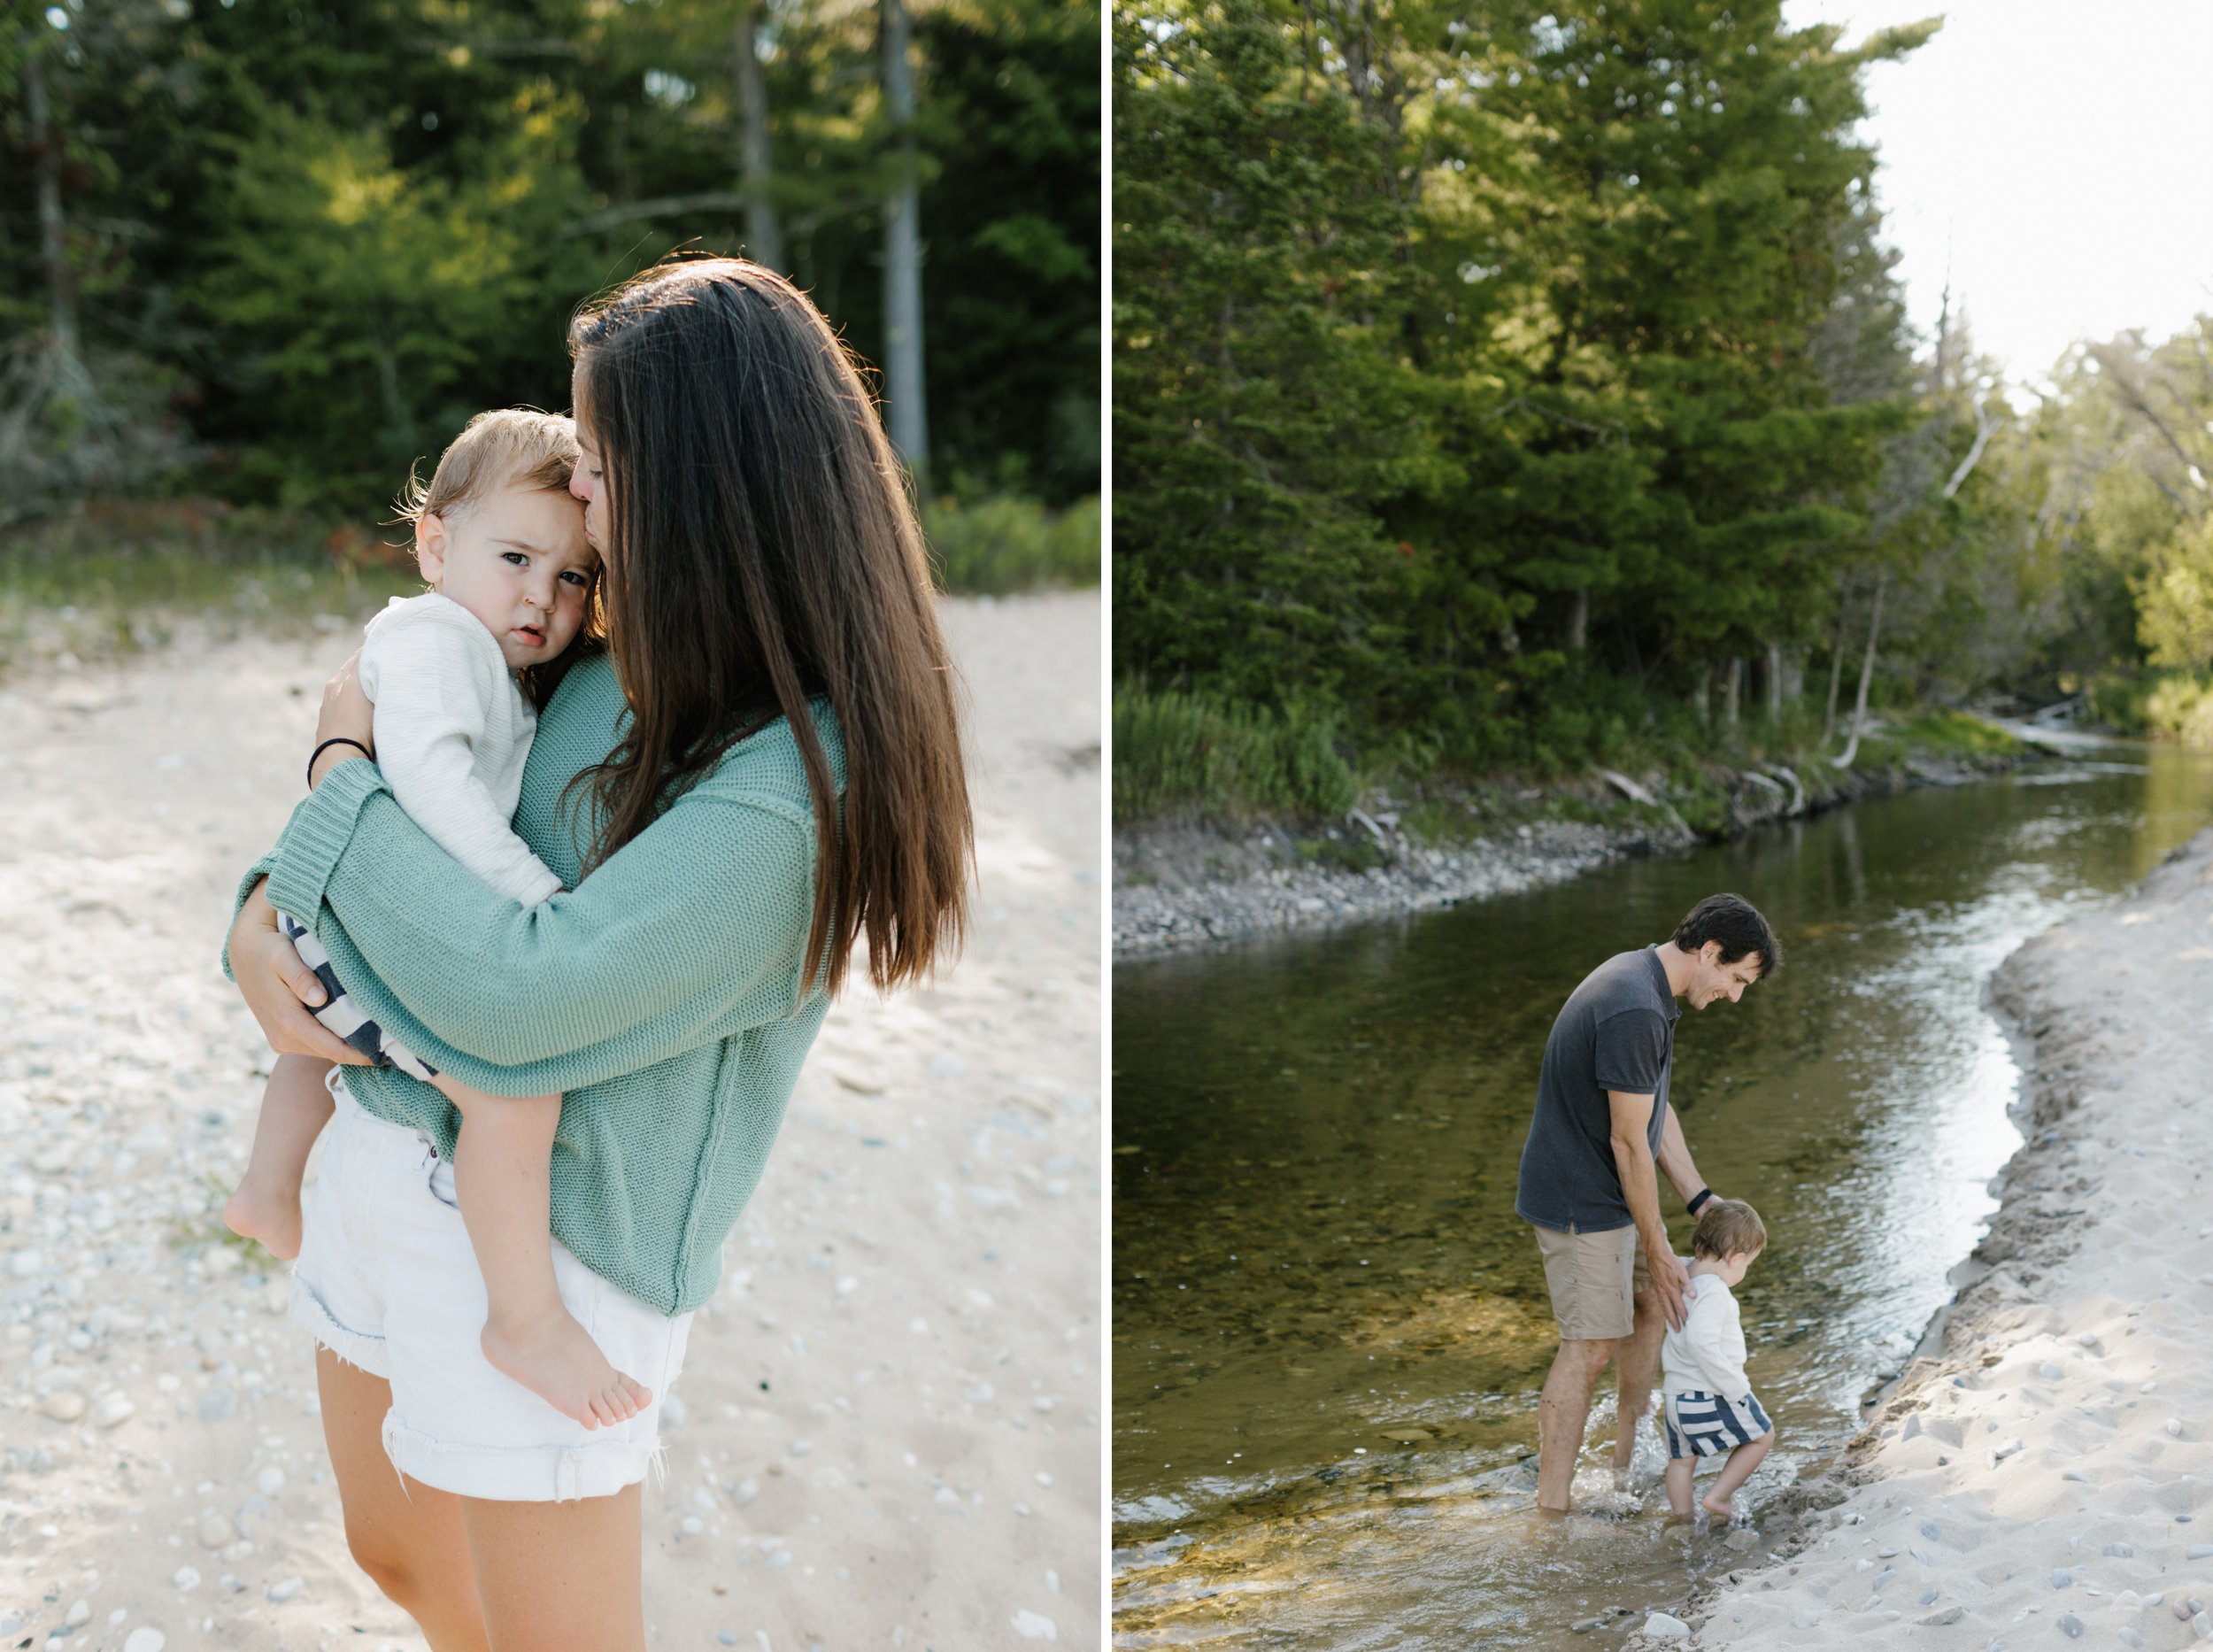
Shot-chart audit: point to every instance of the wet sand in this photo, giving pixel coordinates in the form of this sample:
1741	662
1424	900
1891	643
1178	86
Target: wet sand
888	1431
2045	1473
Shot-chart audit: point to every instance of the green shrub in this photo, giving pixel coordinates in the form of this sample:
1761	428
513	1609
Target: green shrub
1191	753
2180	707
1004	543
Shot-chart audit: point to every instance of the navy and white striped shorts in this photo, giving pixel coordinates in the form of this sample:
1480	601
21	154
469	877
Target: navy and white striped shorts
1700	1425
346	1017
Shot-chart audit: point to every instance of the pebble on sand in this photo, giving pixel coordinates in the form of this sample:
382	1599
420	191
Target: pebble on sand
63	1406
145	1638
1666	1627
1034	1626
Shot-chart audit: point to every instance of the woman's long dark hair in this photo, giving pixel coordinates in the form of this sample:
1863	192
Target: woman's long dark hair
763	550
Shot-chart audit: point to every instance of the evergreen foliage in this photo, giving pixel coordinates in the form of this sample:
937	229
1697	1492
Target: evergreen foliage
307	240
1520	385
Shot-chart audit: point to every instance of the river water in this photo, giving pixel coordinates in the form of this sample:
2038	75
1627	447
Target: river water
1328	1327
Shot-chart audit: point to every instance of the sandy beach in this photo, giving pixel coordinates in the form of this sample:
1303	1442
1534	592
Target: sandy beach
2043	1474
887	1433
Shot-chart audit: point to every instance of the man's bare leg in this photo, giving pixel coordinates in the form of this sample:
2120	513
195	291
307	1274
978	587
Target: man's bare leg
1638	1363
502	1178
1561	1412
294	1108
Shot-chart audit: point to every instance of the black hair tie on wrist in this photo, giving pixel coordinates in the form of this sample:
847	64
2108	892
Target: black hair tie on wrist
326	745
1695	1199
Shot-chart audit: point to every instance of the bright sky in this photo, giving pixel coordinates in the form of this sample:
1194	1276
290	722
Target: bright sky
2058	153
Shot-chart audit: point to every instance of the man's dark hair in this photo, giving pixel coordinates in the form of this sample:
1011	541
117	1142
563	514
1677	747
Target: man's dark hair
1736	924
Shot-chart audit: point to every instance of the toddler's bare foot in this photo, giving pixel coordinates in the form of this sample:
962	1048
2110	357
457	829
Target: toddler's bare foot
1719	1508
556	1359
269	1215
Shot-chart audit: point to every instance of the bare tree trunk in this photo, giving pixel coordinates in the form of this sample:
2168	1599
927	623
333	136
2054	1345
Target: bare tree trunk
1836	669
52	227
1731	688
1775	681
902	254
1579	620
1867	675
764	233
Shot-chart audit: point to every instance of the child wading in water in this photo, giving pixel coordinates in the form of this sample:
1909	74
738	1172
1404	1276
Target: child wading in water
502	544
1708	1409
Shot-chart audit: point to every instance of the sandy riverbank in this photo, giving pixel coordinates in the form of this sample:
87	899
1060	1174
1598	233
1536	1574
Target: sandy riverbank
2045	1474
888	1429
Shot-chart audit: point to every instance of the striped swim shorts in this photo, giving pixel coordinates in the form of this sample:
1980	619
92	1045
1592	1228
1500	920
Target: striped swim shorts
1706	1425
346	1017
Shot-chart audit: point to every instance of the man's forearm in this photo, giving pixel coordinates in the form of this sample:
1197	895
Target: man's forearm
1641	1188
1674	1159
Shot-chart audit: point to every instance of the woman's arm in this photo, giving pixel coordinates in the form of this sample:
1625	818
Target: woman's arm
692	932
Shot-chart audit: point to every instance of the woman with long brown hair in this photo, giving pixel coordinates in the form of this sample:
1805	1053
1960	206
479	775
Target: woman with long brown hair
759	779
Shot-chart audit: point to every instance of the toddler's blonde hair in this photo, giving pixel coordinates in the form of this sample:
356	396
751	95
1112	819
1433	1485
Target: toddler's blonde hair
1727	1227
506	447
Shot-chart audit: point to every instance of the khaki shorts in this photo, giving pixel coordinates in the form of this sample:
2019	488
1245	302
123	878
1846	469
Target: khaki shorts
1595	1279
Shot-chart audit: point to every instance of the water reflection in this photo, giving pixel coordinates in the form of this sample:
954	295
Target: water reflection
1329	1329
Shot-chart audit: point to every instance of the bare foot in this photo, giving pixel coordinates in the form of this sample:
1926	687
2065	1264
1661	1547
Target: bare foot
556	1359
270	1215
1722	1508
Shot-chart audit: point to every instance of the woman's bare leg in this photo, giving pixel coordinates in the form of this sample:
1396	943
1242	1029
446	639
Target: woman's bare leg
412	1542
554	1577
502	1177
294	1108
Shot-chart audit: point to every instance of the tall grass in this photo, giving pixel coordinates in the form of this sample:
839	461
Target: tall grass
1191	754
1004	542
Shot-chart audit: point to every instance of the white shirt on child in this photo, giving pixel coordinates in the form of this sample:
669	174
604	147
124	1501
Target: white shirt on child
452	729
1708	1355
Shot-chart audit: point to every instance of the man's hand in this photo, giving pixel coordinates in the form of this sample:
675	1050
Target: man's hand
279	988
347	714
1670	1279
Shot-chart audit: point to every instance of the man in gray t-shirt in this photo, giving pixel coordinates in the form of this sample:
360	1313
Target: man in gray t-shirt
1589	1186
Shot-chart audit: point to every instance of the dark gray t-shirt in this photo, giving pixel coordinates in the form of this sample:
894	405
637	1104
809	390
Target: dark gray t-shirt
1616	1031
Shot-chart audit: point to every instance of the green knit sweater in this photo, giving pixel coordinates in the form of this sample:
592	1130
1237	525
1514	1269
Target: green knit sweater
662	997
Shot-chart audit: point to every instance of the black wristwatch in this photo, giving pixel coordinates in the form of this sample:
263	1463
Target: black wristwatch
1697	1198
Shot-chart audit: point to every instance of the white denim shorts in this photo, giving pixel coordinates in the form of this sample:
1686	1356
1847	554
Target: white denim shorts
387	1281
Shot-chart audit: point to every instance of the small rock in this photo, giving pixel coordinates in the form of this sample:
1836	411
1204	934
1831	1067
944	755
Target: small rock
1666	1627
1949	1615
214	1531
2174	1427
144	1639
1883	1577
2127	1636
186	1578
1584	1625
1930	1530
2062	1579
116	1409
2181	1608
2119	1551
284	1591
271	1480
692	1525
63	1406
80	1612
2199	1551
1743	1538
2069	1625
1998	1453
1034	1626
2049	1372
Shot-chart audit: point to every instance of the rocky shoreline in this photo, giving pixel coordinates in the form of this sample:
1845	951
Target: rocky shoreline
2043	1469
1182	886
